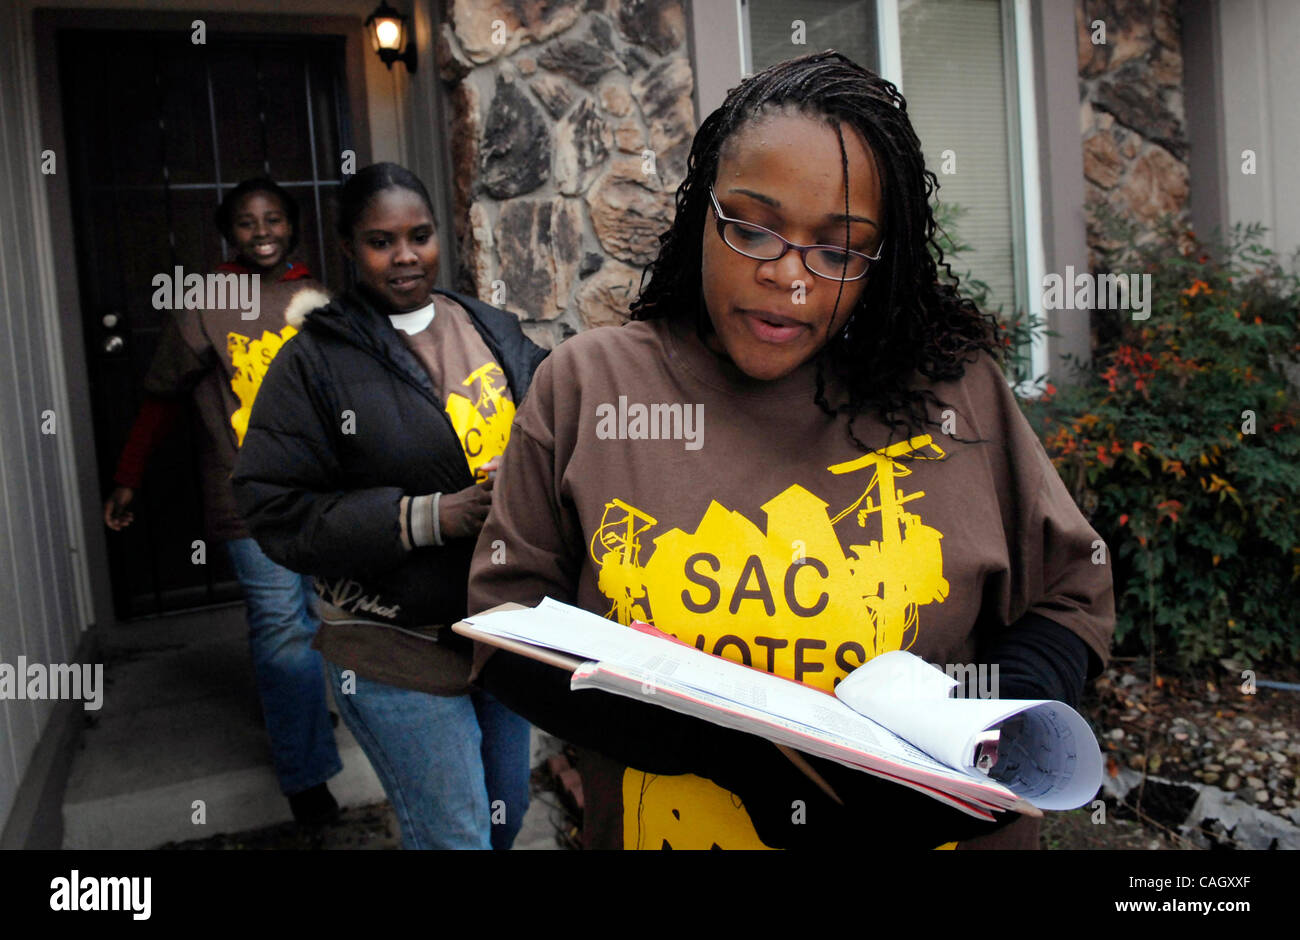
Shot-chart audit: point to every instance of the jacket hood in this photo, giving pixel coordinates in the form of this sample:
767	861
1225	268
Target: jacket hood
350	315
302	304
354	317
338	309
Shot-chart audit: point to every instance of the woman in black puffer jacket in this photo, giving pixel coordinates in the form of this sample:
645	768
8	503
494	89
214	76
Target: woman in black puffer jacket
367	464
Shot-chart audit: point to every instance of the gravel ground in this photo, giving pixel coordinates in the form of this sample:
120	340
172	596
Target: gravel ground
1199	729
1207	728
362	827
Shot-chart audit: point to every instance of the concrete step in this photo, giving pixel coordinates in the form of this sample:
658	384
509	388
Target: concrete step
181	722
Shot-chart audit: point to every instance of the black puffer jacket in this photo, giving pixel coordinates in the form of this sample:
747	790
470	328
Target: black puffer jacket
346	423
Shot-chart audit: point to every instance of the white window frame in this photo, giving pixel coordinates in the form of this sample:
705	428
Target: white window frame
1035	256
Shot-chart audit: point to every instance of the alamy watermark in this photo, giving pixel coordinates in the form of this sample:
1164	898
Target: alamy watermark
1084	291
965	680
974	680
219	291
79	892
61	681
654	422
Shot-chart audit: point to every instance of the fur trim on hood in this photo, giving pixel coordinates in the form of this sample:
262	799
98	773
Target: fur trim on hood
302	304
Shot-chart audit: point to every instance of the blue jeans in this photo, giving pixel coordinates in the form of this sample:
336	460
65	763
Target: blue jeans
455	768
290	681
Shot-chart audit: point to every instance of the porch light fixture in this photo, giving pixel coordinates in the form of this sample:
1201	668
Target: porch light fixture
388	33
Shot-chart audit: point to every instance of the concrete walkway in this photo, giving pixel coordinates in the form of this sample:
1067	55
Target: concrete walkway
181	723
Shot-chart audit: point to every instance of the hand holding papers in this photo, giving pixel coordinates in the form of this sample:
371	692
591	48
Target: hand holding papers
1047	754
896	721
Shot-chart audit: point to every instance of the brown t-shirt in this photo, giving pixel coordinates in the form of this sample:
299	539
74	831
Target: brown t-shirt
651	479
221	356
477	399
468	379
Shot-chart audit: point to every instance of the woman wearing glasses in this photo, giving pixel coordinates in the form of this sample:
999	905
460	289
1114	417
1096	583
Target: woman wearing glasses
800	454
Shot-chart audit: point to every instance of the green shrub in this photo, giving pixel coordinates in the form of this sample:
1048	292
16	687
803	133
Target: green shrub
1179	440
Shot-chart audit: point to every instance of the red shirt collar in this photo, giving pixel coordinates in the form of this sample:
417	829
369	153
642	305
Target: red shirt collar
295	272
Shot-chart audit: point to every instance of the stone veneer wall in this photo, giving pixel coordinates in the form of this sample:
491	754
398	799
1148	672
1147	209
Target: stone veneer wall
1132	117
571	126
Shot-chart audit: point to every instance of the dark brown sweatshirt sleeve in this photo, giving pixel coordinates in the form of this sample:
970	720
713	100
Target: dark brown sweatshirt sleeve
1075	565
176	366
1059	567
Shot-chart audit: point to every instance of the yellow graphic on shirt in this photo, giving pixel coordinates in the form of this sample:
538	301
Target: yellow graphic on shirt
483	423
687	812
250	359
790	598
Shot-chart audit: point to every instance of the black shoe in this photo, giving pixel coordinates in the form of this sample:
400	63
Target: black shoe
314	807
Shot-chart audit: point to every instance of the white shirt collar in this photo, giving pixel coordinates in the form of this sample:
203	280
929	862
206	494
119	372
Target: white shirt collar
413	321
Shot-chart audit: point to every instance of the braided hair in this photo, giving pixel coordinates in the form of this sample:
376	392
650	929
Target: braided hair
907	321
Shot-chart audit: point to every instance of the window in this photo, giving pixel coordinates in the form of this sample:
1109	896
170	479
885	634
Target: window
776	27
954	71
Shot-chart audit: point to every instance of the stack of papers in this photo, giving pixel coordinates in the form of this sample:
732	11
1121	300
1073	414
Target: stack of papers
893	717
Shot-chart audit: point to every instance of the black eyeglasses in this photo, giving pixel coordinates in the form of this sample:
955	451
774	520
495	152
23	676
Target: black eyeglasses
761	244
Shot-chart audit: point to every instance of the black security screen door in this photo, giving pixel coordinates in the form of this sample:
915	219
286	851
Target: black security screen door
158	129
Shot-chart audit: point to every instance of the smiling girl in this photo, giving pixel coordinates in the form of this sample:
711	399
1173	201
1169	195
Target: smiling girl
368	464
866	481
218	357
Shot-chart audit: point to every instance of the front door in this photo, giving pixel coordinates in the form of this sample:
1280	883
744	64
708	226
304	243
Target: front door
158	130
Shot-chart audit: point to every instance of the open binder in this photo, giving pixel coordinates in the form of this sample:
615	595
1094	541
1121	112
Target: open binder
892	717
